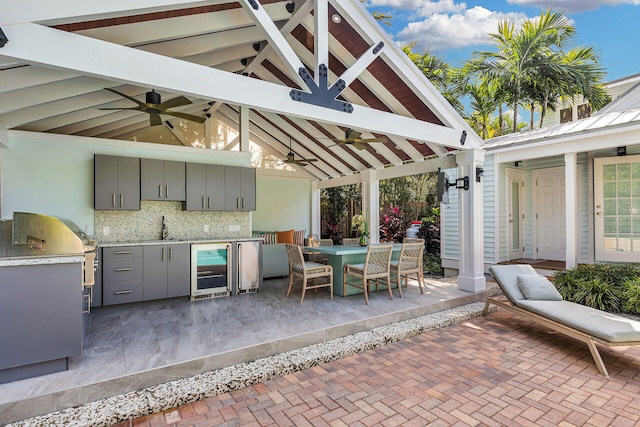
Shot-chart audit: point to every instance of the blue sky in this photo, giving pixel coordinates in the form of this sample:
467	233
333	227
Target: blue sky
454	29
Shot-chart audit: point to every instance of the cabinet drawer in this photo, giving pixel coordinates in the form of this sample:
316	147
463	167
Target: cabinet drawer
121	269
122	252
121	292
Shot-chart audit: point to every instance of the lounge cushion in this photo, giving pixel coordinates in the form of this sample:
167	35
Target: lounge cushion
507	276
538	288
603	325
284	236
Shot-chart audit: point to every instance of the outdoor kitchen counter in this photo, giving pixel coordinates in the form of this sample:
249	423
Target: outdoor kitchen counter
174	242
40	260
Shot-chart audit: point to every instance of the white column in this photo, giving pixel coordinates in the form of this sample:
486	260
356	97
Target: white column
321	39
315	210
244	128
471	263
570	200
371	203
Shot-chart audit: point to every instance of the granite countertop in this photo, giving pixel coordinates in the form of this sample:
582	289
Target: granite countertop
40	260
175	242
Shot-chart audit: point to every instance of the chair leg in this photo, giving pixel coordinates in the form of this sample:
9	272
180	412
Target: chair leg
389	286
399	284
331	285
304	289
344	282
421	281
365	282
290	284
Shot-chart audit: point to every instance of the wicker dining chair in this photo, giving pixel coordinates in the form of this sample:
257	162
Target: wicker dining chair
409	262
351	241
307	272
325	242
375	267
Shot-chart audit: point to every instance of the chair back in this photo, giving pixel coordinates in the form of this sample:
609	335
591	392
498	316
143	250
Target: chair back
378	260
325	242
350	241
413	240
296	260
411	255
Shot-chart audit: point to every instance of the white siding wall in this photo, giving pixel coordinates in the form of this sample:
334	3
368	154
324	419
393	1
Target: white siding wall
491	234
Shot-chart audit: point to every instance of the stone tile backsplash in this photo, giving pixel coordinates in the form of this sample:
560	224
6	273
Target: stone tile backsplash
146	224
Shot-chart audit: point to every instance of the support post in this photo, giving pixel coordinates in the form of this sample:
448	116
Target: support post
244	128
471	263
371	203
570	200
315	210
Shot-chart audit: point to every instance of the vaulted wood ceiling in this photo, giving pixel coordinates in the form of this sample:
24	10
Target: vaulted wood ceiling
56	96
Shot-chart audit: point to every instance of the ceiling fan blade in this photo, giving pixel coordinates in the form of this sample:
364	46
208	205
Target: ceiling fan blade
368	140
155	120
118	108
140	103
174	102
353	135
360	146
309	160
186	116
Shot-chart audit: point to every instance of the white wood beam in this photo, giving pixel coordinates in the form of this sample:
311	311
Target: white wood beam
243	128
320	37
360	65
73	10
276	39
43	45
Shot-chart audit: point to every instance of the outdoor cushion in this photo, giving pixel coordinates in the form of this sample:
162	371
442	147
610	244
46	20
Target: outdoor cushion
601	324
284	236
538	288
507	276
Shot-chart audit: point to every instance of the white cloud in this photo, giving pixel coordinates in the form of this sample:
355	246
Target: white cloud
440	31
573	5
421	7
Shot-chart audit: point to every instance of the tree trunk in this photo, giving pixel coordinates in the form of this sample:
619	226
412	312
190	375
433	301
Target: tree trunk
533	111
515	115
500	119
543	110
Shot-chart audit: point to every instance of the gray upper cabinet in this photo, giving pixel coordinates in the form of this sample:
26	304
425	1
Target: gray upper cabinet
205	187
116	183
240	189
162	180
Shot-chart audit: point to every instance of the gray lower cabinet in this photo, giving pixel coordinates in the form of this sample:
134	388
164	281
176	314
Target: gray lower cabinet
166	271
121	274
162	180
116	183
40	317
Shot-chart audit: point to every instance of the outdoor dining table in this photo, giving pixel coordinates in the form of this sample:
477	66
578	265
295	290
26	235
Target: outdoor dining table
340	255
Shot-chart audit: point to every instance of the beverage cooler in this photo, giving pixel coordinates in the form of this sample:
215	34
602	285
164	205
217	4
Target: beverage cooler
210	270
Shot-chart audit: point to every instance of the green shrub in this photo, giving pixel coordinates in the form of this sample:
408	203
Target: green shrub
602	286
631	295
433	264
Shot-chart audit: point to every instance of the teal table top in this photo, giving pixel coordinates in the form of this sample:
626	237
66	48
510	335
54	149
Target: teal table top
346	249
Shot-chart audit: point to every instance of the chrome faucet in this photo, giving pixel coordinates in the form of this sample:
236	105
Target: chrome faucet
165	230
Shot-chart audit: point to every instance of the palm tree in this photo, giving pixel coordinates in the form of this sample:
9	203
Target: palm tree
532	67
484	104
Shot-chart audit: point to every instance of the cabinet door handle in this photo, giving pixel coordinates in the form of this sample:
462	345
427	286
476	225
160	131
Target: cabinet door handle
160	191
170	254
202	202
88	310
208	202
166	191
243	203
113	200
162	254
121	199
124	269
122	252
122	292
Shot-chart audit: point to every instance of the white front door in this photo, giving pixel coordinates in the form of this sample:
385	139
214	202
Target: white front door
550	214
616	199
515	213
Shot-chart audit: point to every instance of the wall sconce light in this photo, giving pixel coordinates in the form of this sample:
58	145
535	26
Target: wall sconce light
463	137
461	183
336	18
517	163
290	7
3	38
479	173
622	151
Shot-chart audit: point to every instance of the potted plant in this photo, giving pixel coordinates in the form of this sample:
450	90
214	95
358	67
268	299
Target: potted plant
360	225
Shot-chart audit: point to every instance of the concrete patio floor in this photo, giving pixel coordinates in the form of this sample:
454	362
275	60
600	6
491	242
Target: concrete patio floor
134	346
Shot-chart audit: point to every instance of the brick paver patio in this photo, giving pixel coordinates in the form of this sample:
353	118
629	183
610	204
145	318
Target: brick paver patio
498	370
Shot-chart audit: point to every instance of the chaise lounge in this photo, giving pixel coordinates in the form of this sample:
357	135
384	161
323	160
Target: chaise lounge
535	298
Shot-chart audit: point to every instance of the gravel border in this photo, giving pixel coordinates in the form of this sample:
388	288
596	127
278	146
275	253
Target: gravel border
109	411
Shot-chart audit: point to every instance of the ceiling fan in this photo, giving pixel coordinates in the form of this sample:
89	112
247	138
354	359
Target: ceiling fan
154	107
292	160
352	137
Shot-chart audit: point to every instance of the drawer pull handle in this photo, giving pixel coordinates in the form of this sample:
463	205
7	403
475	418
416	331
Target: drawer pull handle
124	269
122	252
122	292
